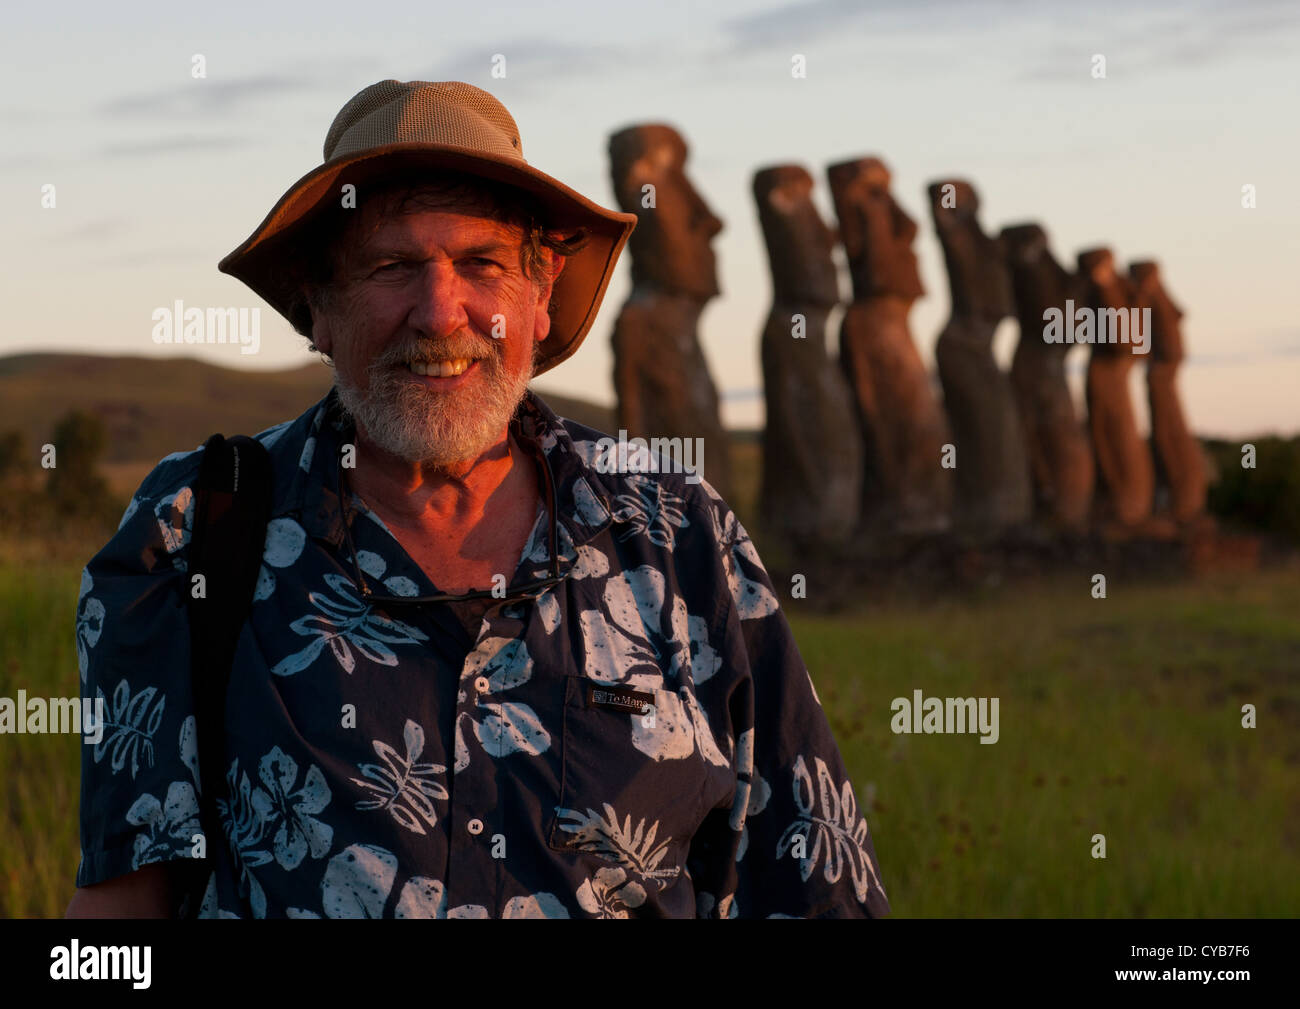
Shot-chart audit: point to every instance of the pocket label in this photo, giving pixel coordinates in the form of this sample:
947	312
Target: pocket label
620	699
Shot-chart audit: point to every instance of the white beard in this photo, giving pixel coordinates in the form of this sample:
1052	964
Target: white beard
436	429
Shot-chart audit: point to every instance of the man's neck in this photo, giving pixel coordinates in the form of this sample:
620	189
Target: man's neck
415	495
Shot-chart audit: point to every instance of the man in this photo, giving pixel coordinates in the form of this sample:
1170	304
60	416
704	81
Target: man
609	718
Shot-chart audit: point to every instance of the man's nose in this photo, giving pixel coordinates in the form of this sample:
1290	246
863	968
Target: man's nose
440	296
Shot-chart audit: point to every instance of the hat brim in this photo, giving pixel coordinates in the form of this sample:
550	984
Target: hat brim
260	261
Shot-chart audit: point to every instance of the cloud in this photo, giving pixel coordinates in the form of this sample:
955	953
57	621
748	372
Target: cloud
1172	38
204	96
98	230
830	19
154	258
533	57
174	145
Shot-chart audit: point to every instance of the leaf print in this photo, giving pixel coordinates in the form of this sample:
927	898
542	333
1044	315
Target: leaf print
402	786
189	748
344	624
244	827
835	838
129	726
511	728
603	835
241	820
357	882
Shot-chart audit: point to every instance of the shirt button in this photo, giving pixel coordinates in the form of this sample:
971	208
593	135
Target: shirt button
475	826
481	684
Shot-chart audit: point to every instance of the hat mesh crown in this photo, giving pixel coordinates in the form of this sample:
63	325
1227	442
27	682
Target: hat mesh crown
444	112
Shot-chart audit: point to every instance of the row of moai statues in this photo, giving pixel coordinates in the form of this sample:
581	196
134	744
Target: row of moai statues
864	444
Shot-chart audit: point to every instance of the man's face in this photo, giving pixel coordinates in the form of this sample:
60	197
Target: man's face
440	292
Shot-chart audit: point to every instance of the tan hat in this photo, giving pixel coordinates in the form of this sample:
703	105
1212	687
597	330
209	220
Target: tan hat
447	126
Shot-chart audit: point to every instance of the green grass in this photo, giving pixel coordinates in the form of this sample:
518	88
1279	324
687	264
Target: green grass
1118	716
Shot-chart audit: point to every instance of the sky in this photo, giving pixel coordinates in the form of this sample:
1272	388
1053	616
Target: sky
158	175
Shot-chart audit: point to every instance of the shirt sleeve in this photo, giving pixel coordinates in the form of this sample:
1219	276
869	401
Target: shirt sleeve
139	768
793	842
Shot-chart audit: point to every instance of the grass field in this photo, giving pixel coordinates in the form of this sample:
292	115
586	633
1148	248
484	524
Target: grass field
1119	716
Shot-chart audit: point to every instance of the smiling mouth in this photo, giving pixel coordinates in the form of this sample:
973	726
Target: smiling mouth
440	369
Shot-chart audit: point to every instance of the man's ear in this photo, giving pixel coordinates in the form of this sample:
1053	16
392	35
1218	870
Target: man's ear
322	329
541	314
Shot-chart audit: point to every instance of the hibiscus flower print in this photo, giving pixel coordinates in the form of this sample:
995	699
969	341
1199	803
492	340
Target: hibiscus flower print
609	893
505	727
292	809
168	826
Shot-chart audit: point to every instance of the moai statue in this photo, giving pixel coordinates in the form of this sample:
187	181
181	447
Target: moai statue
1180	465
905	485
993	486
1060	455
1123	458
660	374
812	451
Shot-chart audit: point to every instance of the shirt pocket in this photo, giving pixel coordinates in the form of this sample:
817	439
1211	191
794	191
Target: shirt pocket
633	781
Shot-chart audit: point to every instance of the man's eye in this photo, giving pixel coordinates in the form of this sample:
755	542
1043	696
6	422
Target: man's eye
484	261
390	267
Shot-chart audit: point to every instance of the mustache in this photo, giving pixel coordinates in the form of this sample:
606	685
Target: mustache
462	345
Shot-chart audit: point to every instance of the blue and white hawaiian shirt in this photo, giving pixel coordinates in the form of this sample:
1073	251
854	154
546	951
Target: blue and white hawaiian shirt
641	740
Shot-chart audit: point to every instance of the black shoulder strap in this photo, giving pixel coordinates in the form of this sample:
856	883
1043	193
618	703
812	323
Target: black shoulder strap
232	506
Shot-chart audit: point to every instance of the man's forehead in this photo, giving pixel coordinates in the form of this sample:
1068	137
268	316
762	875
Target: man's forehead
420	228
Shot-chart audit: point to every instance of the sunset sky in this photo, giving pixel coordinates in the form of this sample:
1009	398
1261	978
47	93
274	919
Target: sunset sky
159	175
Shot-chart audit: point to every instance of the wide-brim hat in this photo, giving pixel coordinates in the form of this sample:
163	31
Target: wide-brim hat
444	126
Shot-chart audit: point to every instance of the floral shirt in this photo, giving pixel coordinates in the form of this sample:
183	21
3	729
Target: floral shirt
643	739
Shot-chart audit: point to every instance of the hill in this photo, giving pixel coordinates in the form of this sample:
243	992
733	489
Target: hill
153	406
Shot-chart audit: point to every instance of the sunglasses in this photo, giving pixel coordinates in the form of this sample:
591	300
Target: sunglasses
525	593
